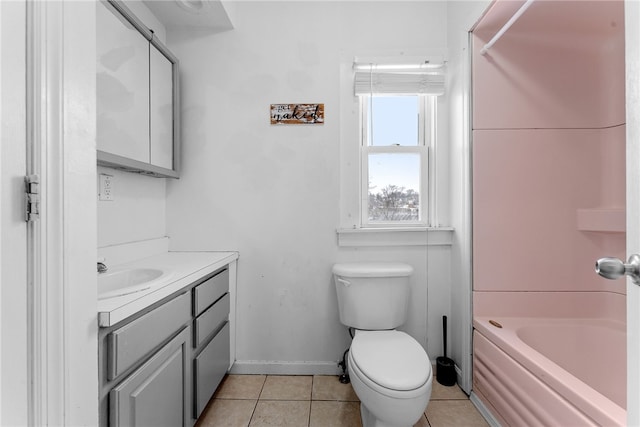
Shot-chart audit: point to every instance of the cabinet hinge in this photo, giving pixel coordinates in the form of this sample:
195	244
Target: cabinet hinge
32	198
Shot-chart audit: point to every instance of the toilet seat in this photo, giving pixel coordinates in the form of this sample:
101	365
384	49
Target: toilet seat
391	362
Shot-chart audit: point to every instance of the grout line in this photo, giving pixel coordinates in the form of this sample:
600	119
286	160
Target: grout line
255	406
427	418
313	377
253	413
313	380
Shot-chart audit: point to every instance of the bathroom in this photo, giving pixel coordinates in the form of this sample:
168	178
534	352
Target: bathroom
275	194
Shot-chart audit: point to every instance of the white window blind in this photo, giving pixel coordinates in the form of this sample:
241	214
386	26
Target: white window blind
427	79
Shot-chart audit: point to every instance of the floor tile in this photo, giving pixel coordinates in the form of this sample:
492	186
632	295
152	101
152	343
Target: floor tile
279	400
240	387
440	392
335	414
281	387
422	422
454	413
329	387
227	413
281	413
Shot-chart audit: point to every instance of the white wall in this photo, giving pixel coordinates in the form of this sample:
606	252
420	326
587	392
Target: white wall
272	192
461	17
137	211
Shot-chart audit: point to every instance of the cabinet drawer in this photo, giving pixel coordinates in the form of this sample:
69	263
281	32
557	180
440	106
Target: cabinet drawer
209	321
208	292
209	368
133	341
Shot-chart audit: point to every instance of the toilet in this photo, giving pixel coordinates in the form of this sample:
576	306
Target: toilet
389	370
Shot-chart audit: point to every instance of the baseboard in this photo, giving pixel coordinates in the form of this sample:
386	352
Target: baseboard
269	367
484	411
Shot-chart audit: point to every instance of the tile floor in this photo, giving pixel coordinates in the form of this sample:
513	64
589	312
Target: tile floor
317	401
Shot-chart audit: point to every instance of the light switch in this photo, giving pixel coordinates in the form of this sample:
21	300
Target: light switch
105	192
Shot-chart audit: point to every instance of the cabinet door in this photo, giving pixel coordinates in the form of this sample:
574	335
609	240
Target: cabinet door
209	369
158	393
122	86
161	109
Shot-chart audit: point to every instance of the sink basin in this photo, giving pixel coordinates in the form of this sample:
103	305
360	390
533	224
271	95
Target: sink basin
125	282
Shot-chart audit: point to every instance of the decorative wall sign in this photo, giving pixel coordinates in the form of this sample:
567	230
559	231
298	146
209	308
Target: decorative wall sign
297	114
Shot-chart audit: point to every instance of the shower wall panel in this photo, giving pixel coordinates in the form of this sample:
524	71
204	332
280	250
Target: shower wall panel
530	188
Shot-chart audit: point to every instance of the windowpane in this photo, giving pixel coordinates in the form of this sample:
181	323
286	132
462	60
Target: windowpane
394	187
393	120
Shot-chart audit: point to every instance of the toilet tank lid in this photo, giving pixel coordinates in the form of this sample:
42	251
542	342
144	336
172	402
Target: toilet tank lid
372	269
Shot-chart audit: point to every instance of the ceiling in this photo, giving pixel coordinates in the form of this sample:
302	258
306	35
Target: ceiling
203	14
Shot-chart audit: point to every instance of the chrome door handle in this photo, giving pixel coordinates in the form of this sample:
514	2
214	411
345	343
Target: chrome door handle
613	268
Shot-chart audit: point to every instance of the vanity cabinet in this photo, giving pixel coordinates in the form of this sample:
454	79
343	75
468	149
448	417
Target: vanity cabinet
129	343
137	95
146	367
211	304
157	393
161	366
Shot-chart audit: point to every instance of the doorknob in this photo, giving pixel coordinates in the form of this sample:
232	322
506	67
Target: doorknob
613	268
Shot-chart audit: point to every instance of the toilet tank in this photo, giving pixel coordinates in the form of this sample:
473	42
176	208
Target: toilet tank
372	296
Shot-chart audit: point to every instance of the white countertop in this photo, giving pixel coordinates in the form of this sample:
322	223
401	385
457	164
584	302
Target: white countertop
183	268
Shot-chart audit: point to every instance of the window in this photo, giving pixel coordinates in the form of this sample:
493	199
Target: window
397	128
394	159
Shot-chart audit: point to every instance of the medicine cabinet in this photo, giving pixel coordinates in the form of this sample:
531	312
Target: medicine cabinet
137	95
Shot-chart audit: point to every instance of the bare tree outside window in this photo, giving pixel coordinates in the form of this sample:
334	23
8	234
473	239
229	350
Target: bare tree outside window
394	203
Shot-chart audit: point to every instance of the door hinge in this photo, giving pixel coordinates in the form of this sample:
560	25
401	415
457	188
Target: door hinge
32	198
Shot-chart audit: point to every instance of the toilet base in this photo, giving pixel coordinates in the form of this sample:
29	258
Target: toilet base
369	420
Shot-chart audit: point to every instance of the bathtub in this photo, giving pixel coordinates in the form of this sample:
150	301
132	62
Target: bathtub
553	372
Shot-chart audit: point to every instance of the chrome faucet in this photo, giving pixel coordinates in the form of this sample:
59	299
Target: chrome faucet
102	267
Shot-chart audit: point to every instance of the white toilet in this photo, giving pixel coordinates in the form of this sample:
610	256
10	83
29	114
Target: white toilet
389	370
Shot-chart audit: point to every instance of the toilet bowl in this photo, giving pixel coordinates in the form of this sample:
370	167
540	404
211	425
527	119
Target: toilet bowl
391	375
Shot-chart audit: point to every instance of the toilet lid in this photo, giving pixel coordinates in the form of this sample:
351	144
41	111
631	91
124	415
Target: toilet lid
391	359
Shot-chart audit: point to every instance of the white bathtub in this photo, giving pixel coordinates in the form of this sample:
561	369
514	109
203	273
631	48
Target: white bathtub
556	372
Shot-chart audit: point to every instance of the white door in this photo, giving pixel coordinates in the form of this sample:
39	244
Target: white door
48	292
632	40
13	245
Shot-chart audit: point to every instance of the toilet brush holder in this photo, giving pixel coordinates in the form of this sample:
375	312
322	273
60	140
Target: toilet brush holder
445	367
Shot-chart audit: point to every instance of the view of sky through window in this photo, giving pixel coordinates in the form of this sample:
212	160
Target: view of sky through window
401	170
394	120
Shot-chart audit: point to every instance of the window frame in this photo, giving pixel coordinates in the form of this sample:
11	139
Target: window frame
426	140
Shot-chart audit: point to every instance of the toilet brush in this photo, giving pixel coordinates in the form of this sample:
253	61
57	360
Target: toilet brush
445	367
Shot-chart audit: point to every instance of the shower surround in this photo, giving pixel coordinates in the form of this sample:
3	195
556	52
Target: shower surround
548	200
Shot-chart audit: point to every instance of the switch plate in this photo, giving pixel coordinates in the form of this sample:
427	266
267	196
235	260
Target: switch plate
105	192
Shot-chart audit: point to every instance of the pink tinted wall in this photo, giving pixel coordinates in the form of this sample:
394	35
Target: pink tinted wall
561	65
548	147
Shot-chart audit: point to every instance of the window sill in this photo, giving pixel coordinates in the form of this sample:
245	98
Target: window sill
406	236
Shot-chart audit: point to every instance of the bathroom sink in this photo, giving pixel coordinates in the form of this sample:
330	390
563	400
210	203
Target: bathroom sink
125	282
